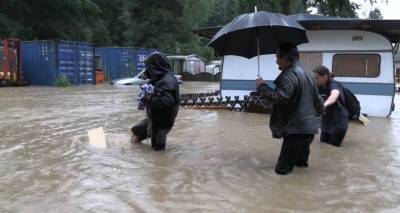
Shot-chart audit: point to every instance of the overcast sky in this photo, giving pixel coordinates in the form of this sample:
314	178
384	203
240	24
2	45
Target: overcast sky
390	10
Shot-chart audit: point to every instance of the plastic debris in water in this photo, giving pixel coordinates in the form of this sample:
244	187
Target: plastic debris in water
364	120
97	138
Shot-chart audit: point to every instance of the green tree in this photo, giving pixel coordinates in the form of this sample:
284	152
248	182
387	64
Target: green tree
115	19
223	11
375	14
48	19
340	8
154	23
165	25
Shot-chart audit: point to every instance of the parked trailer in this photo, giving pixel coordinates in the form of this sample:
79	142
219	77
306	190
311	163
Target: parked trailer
359	52
46	61
364	66
121	62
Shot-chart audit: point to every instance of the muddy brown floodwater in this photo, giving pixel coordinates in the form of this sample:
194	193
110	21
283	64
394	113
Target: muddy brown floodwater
216	161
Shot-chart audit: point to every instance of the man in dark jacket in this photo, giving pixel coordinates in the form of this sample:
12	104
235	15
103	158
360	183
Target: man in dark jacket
295	106
162	106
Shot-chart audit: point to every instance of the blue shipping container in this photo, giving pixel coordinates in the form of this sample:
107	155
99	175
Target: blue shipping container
45	61
122	62
141	54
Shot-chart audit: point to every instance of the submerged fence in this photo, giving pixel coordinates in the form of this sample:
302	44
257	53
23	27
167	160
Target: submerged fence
213	100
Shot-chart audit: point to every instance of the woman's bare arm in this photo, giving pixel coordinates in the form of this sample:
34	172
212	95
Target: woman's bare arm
332	98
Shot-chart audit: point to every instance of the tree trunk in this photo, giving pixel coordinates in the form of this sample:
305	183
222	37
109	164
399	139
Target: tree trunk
286	6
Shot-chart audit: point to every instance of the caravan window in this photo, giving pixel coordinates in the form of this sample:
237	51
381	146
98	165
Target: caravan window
360	65
310	60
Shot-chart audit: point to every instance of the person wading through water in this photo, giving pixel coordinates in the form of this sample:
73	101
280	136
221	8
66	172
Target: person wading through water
161	104
296	104
335	119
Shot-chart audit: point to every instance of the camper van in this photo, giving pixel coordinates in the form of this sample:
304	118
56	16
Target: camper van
356	51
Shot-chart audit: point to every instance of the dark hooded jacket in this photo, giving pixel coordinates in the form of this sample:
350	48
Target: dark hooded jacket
162	107
295	102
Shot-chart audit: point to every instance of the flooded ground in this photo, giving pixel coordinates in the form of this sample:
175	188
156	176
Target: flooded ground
216	161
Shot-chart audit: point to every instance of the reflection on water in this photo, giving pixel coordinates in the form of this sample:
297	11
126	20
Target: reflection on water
215	160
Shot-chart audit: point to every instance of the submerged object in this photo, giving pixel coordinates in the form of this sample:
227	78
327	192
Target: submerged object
97	138
364	120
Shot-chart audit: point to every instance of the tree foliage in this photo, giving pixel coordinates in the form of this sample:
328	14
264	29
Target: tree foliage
375	14
338	8
161	24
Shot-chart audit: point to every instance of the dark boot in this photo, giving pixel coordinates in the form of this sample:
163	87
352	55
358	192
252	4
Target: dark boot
140	130
302	164
283	169
159	139
158	148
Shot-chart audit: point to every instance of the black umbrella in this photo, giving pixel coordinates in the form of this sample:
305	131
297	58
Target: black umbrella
252	34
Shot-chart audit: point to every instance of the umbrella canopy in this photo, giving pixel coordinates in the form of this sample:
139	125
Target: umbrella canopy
252	34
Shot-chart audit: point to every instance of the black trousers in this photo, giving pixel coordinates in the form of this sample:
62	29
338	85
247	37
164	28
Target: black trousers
294	151
144	129
335	138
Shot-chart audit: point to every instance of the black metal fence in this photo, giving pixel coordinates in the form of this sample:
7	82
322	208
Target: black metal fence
214	100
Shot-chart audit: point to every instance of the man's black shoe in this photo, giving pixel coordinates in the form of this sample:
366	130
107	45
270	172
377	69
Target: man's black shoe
283	169
302	164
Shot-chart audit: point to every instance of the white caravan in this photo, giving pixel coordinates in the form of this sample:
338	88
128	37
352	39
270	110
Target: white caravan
358	51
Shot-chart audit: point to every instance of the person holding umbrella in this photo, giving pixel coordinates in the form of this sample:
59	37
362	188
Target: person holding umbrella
295	98
295	107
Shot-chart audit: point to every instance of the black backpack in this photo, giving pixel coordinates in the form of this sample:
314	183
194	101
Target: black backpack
351	103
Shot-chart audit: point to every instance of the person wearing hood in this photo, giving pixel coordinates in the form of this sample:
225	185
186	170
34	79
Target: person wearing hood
296	104
161	106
